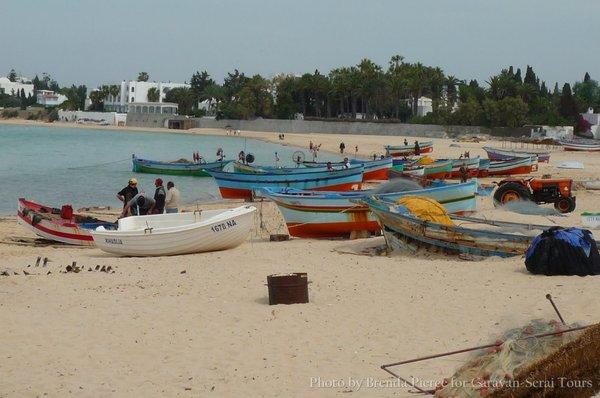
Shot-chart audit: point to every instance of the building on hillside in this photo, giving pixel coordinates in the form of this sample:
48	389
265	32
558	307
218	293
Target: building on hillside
593	119
134	91
15	88
50	98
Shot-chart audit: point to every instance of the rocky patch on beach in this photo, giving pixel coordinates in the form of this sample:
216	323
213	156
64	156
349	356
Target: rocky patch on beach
43	267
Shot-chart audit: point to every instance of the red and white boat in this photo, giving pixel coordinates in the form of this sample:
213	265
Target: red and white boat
515	166
59	225
472	165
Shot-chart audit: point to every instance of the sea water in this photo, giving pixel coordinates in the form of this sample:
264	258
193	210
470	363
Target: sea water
87	167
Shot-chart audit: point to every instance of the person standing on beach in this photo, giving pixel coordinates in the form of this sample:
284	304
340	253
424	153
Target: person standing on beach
405	142
159	197
417	148
342	147
127	193
173	198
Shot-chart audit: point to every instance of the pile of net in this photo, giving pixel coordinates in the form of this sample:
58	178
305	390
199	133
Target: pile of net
562	365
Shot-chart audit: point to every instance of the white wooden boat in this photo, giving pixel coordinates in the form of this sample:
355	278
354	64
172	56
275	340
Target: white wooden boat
177	233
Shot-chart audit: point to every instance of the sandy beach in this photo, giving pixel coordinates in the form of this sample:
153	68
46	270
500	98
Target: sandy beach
200	325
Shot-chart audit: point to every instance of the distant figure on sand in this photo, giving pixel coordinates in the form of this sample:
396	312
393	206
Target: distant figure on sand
310	146
355	150
417	148
160	195
405	142
277	160
342	147
127	193
173	198
141	204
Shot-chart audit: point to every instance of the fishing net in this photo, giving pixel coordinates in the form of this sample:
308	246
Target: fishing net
397	185
501	370
426	209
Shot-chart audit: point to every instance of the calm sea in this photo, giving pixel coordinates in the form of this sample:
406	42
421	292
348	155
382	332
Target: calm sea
87	167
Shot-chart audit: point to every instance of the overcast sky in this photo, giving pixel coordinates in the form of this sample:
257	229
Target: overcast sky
102	41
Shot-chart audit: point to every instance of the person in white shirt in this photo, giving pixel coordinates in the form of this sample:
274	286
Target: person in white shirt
173	198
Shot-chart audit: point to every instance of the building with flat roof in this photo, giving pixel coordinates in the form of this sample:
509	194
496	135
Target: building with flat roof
15	88
134	91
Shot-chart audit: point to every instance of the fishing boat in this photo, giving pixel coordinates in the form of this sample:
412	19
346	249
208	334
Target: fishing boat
406	171
310	214
438	170
582	145
403	230
510	154
472	165
177	233
59	225
408	150
484	168
196	169
511	167
375	170
233	185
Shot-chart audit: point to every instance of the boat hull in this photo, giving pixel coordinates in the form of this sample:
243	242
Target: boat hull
402	231
581	146
512	167
160	235
172	168
243	186
498	154
322	215
47	225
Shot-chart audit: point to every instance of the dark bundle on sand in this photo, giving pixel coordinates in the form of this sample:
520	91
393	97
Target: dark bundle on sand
571	372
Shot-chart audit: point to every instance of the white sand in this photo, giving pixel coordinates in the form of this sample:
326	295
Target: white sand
148	330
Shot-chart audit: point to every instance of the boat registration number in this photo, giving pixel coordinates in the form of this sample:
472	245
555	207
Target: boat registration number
113	241
223	226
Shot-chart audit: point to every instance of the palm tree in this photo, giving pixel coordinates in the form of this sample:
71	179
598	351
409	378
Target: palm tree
451	92
143	77
153	94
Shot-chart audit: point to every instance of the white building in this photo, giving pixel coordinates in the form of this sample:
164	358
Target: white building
134	91
424	105
50	98
593	119
15	88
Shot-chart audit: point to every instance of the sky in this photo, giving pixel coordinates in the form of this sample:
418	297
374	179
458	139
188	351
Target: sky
96	42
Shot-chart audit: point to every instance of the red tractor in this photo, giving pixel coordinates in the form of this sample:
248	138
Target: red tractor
538	190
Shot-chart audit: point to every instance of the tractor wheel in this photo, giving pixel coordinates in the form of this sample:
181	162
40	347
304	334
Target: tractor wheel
509	192
565	205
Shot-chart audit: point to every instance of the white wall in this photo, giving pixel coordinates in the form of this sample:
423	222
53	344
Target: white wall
112	118
139	93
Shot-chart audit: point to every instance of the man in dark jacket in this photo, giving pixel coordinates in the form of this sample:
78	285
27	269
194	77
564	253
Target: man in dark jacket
159	196
127	193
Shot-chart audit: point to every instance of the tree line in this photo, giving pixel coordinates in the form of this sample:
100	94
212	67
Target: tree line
508	99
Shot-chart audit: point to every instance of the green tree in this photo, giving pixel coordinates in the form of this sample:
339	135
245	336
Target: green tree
567	105
184	97
12	75
143	77
97	97
153	94
199	82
